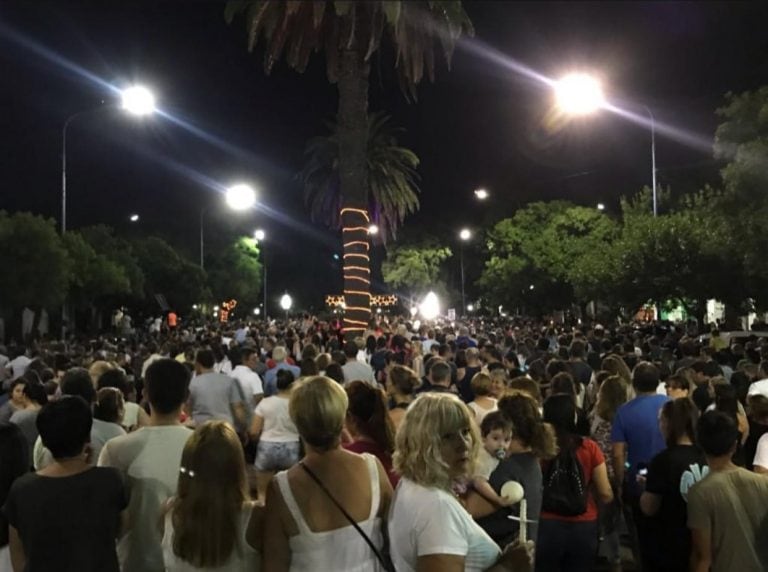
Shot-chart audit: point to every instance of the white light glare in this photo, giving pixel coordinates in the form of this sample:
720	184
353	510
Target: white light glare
579	94
286	302
464	234
259	234
240	197
134	218
414	311
256	311
138	100
600	206
481	194
430	306
373	229
470	308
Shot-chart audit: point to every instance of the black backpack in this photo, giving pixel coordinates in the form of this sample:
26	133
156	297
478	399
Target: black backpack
565	490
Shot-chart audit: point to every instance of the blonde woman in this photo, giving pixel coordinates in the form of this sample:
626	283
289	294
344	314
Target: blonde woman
429	530
484	403
310	505
211	524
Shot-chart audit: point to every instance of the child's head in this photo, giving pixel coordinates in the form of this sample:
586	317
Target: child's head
496	430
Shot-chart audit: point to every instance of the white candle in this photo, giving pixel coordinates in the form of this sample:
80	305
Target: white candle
523	521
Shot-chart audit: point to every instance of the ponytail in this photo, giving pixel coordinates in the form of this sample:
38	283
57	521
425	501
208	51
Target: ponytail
368	407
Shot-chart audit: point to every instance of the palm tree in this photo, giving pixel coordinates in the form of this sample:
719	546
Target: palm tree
349	32
392	177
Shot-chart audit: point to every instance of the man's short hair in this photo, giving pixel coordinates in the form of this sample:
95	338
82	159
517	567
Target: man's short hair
65	426
350	350
645	377
205	358
718	433
440	371
77	381
578	349
167	385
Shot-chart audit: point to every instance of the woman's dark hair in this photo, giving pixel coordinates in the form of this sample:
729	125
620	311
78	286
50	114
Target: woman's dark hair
460	359
35	391
65	426
368	407
528	426
114	378
404	379
370	344
726	400
718	433
285	378
14	452
681	416
308	367
109	405
335	372
563	383
560	413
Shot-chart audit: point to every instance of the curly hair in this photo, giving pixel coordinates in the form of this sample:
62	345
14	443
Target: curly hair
528	426
419	439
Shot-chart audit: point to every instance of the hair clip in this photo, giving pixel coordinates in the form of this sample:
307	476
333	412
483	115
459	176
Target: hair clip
189	473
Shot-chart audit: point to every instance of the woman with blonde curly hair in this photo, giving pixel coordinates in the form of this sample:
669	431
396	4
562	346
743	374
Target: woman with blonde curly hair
429	529
211	524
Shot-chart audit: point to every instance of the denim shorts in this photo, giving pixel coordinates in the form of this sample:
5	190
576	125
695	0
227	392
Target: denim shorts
276	456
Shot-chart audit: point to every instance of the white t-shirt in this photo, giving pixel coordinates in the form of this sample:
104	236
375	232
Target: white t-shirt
149	459
131	414
278	426
248	379
486	464
481	412
424	521
357	371
758	387
761	455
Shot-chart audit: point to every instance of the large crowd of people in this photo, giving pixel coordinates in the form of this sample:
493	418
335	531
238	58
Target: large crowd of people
502	445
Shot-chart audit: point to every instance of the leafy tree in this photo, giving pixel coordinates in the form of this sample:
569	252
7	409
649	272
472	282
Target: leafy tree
103	240
167	273
94	276
36	268
392	178
414	267
536	257
237	273
350	33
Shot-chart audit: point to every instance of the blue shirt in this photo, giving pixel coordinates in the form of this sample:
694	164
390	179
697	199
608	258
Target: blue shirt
637	424
270	378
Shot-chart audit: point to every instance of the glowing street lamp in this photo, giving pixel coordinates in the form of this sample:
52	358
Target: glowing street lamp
481	194
430	306
260	235
134	218
138	100
470	308
579	94
240	197
373	229
464	235
600	206
285	303
582	94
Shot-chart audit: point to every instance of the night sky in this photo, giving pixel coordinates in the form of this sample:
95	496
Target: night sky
480	124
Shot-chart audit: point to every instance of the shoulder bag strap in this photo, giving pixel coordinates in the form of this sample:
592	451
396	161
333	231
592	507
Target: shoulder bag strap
351	520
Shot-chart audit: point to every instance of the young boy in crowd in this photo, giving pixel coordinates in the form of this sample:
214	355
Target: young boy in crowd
496	431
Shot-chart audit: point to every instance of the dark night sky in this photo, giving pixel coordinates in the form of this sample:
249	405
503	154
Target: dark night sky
479	125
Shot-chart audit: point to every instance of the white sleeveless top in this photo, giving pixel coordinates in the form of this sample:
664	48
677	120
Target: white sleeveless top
246	559
342	549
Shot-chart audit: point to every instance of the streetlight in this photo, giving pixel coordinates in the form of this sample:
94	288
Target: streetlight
238	197
430	306
285	303
481	194
470	308
260	235
373	229
600	206
134	218
136	101
464	235
582	94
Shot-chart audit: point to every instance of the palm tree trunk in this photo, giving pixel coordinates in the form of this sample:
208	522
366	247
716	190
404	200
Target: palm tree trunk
353	176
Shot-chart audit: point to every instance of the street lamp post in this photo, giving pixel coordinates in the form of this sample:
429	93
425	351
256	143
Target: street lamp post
137	101
464	235
581	94
239	197
260	235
